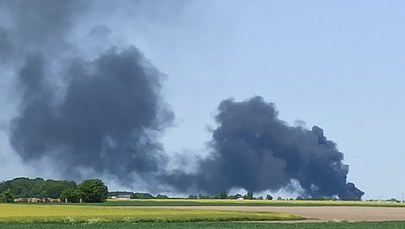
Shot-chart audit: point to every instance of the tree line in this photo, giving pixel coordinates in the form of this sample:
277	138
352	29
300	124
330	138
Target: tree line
90	191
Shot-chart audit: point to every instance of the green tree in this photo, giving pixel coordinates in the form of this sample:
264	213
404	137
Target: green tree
223	195
24	187
38	188
269	197
7	196
160	196
93	191
54	188
21	187
249	195
71	195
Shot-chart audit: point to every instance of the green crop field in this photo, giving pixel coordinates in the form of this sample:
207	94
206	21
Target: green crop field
37	213
215	225
219	202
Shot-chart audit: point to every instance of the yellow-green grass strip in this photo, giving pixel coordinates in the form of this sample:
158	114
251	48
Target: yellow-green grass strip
37	213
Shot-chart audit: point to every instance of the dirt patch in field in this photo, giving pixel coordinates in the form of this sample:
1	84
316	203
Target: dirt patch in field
321	214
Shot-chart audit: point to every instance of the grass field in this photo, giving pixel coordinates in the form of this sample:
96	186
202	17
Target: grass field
218	202
37	213
216	225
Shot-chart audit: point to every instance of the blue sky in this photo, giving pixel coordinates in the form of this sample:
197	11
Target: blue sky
335	64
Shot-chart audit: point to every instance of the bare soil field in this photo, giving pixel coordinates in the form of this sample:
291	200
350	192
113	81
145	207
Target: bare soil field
321	214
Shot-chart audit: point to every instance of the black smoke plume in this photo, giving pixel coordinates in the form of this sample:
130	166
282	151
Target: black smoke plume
107	121
255	150
81	116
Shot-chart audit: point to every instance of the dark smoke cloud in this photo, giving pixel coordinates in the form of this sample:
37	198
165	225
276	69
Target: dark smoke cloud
254	150
108	119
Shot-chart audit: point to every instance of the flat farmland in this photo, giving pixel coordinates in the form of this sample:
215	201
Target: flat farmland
86	213
223	214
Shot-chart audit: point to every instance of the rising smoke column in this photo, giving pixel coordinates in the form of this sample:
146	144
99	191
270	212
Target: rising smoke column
107	121
82	116
255	150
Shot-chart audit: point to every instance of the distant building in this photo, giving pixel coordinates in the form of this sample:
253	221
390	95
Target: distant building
120	194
